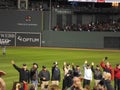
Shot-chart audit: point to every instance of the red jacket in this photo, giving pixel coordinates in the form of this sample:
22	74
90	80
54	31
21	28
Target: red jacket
25	85
117	73
106	69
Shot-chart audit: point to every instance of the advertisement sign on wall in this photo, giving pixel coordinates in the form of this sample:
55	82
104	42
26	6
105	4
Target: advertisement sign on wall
27	39
7	39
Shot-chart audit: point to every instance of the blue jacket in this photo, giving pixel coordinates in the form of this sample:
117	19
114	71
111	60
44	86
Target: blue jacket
55	73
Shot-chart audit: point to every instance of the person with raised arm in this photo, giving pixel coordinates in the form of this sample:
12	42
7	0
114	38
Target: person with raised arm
107	67
87	74
24	76
97	74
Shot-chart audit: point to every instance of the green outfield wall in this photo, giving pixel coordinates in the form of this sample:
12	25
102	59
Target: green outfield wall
81	39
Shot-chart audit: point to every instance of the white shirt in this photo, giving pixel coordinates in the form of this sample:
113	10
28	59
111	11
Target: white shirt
87	73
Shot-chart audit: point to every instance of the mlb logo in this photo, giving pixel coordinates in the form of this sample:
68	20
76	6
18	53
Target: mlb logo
100	0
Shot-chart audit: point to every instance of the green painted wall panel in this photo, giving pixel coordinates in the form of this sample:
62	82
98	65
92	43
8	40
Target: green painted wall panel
76	39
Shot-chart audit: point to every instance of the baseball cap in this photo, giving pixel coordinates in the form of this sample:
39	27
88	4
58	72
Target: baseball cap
43	66
67	64
77	66
88	65
97	65
24	64
55	63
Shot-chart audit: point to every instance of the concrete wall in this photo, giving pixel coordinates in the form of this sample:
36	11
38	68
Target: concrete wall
77	39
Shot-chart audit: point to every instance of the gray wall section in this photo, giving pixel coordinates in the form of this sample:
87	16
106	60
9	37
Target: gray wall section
45	20
76	39
20	21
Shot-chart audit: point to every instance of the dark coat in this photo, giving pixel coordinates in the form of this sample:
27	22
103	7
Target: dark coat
23	74
33	74
97	73
68	80
55	73
44	74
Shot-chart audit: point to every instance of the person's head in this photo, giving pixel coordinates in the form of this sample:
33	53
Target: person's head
67	65
87	87
88	66
97	67
54	87
108	64
32	87
77	67
55	64
35	65
18	86
24	66
118	66
44	68
76	81
107	76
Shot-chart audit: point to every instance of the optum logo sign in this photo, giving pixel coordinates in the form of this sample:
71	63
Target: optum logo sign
24	39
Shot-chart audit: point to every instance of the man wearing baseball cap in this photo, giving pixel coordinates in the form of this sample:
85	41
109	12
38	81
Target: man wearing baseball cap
44	76
34	75
55	74
97	73
23	74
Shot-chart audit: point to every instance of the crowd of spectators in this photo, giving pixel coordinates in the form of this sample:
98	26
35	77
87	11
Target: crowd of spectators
113	26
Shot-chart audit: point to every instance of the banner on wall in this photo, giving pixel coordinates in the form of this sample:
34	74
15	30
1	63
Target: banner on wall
7	39
27	39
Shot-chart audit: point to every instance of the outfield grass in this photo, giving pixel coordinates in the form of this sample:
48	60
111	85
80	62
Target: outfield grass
46	56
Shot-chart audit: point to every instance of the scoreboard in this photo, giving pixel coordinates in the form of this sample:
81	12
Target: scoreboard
106	1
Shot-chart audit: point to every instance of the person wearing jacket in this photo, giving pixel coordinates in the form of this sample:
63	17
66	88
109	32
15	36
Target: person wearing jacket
117	77
107	67
97	73
24	75
55	78
68	75
34	75
68	80
76	71
44	76
87	75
